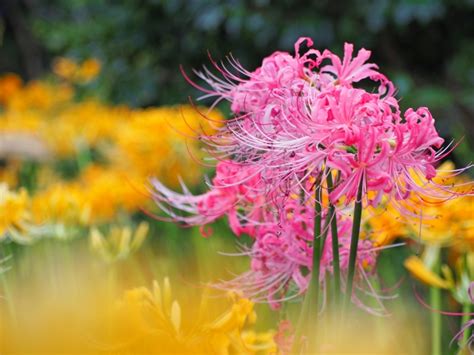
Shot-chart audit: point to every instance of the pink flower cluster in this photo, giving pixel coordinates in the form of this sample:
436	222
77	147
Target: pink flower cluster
281	255
295	114
296	118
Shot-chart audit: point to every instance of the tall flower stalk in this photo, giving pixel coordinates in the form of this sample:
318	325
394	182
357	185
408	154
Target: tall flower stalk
335	244
314	289
354	243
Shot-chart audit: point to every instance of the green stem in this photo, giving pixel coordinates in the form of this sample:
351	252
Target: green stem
466	310
325	230
335	245
309	310
314	283
435	302
354	243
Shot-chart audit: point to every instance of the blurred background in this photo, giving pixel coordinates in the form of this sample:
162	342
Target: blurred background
425	46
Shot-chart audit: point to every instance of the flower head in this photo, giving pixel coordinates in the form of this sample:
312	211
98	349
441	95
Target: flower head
297	113
157	321
15	216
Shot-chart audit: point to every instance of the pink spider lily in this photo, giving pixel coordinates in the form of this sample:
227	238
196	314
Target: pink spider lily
296	114
296	120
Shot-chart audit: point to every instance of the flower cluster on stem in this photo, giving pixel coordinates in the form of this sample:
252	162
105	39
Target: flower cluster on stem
298	121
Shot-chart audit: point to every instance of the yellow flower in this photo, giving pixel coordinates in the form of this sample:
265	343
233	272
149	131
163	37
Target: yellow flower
60	203
89	70
9	84
423	273
449	223
65	68
40	96
21	122
132	145
70	70
156	322
455	275
386	224
98	195
119	242
260	342
84	125
156	142
442	223
14	214
108	191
